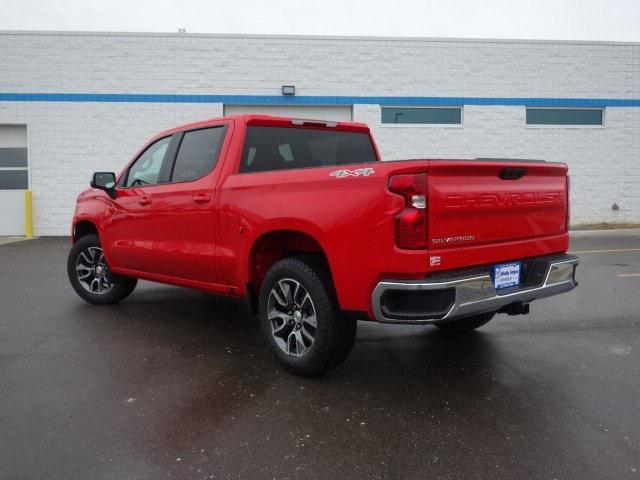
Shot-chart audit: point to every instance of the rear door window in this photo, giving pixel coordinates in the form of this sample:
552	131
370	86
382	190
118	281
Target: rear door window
276	148
198	153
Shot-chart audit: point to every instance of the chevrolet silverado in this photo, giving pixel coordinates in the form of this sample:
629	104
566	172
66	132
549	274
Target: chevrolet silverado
302	219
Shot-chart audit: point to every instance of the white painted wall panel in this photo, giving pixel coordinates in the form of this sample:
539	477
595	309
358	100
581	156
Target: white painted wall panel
13	136
11	212
314	112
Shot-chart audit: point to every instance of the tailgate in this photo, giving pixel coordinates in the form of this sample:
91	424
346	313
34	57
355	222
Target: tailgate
492	202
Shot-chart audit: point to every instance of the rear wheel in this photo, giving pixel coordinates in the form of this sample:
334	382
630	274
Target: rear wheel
466	324
90	276
300	319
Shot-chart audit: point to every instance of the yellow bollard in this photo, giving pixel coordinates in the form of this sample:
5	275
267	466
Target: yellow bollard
28	214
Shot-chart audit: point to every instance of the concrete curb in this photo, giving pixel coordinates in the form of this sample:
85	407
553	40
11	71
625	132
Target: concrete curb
8	240
620	232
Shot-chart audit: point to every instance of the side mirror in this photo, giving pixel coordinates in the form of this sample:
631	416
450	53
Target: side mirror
105	181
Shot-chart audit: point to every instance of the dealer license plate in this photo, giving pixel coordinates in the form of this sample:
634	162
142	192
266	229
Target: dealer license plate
506	275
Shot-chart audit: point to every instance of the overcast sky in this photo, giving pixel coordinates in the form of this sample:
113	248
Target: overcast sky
547	19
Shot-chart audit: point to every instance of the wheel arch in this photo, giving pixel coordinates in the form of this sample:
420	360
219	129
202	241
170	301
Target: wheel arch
274	245
82	228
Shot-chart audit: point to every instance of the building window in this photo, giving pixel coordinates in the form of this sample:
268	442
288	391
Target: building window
422	115
565	116
14	167
14	179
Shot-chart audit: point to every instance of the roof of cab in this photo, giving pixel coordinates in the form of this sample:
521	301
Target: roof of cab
269	120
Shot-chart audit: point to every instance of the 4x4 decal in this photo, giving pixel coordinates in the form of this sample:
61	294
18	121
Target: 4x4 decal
353	173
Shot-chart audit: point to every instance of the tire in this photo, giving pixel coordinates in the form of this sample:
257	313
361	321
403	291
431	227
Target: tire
466	324
287	322
90	276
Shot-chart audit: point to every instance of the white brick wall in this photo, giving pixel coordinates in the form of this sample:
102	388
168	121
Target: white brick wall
70	140
604	163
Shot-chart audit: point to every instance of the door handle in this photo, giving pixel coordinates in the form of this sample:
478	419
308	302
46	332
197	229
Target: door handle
201	198
144	201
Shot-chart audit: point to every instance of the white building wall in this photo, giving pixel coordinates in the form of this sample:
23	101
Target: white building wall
69	140
260	65
604	162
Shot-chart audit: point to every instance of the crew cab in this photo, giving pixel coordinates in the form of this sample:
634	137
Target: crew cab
302	219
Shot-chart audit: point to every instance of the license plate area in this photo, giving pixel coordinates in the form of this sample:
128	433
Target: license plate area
507	275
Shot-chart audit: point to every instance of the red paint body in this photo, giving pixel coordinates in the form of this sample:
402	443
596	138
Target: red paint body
222	232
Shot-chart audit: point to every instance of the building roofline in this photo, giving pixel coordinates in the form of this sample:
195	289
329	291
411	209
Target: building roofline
316	37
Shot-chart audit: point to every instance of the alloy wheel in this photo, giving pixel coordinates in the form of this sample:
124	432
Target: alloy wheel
93	272
292	317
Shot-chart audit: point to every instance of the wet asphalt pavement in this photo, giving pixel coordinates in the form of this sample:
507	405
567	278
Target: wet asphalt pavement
173	383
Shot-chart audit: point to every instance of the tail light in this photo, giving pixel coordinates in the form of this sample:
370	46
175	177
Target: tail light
411	223
568	203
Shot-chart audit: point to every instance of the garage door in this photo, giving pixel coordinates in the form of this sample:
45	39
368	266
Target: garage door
14	178
340	113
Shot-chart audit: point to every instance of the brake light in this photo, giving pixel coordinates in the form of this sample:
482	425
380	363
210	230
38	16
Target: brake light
411	223
566	228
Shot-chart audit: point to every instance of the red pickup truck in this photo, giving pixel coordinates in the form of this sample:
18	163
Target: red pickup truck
303	219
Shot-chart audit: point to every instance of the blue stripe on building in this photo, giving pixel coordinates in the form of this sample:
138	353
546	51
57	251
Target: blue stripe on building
315	100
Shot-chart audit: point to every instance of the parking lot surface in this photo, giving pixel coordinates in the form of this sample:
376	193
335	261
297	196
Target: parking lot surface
173	383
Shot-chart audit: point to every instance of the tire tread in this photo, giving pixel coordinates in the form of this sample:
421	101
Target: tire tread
338	334
122	288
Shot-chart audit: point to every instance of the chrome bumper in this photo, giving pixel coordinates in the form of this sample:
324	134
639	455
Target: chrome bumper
475	293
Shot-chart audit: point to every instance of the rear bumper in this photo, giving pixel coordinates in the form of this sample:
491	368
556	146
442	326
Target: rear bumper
463	293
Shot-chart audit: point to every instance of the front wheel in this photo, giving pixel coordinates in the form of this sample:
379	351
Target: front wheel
300	319
90	276
466	324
